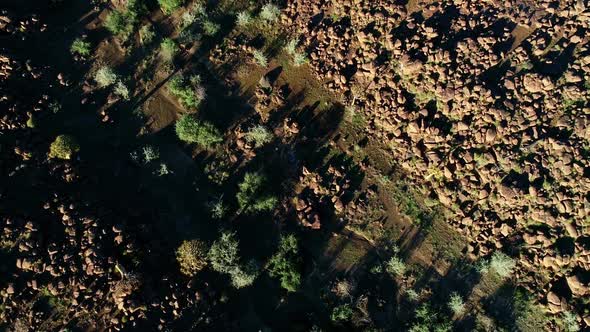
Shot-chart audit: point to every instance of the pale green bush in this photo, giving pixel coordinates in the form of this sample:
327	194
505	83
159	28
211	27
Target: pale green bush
105	76
259	136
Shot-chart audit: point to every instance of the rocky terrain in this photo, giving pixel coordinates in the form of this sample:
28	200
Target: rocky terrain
488	103
376	165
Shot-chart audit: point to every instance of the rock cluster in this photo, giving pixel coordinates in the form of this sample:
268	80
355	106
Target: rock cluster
488	102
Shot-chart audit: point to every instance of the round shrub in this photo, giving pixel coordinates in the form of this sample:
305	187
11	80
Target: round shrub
191	256
63	147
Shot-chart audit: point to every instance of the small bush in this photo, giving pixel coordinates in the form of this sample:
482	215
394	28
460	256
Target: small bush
251	197
146	34
570	322
341	313
168	49
218	208
119	23
105	76
168	6
191	130
32	122
291	46
270	12
121	90
456	304
189	92
210	28
299	59
163	170
80	47
63	147
191	257
395	266
224	258
150	153
259	136
260	58
502	264
283	264
244	276
244	18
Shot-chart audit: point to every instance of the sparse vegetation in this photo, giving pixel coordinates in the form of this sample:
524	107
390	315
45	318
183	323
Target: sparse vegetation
191	256
191	130
64	147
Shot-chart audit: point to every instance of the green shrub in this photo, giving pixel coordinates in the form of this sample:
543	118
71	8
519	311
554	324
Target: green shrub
244	276
146	34
299	59
341	313
189	92
168	6
63	147
395	266
191	130
260	58
456	304
291	46
502	264
224	258
119	23
428	320
105	76
244	18
32	121
570	322
223	254
80	47
163	170
218	208
191	256
529	317
121	90
283	264
210	28
270	12
251	197
259	136
150	153
168	49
